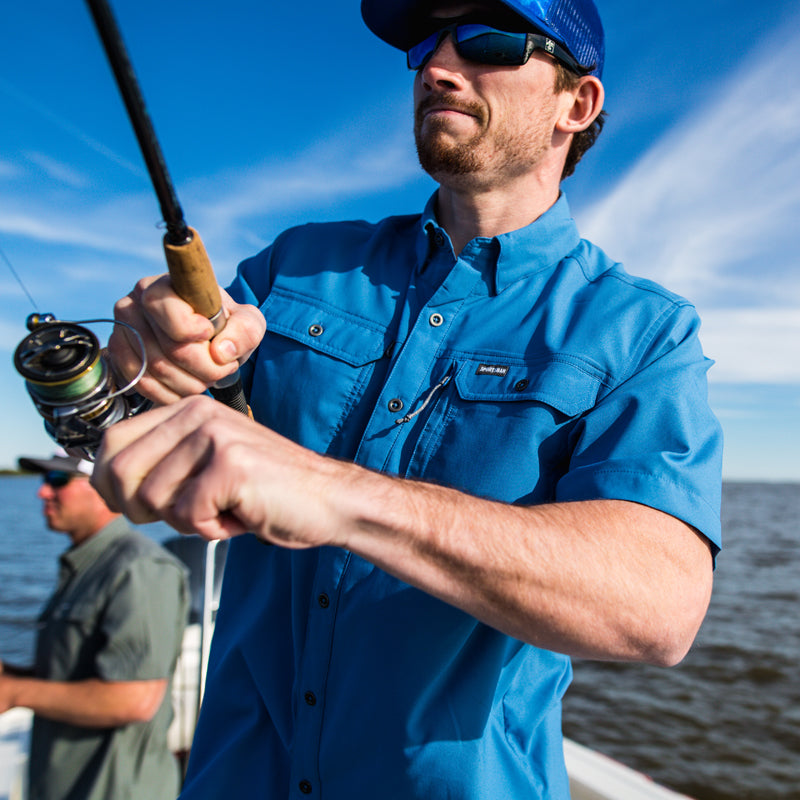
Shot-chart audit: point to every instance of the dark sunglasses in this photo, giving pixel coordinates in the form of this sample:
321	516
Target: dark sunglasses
486	45
56	479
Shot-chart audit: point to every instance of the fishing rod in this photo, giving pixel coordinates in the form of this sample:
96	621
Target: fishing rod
67	374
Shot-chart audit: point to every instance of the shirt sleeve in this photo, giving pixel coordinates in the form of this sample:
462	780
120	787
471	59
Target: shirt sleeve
653	438
143	622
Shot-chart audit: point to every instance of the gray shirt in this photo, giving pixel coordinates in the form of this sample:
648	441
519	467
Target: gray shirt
118	614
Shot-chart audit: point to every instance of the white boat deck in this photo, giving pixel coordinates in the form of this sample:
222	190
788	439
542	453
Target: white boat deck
592	776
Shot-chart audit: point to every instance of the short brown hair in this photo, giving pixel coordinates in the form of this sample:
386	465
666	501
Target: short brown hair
581	142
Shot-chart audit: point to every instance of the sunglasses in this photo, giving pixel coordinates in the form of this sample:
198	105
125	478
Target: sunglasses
56	479
486	45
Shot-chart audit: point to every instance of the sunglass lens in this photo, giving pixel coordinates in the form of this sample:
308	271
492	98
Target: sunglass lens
420	53
486	45
478	43
56	479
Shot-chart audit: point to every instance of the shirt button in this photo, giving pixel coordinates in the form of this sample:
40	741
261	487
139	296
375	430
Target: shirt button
315	330
438	238
521	386
310	698
324	600
305	787
395	404
436	320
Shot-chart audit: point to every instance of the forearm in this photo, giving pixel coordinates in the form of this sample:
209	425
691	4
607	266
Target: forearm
90	703
600	579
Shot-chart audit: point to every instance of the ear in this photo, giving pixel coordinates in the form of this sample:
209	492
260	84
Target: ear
581	105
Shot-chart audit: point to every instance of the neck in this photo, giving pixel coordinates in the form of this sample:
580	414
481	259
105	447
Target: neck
92	527
469	211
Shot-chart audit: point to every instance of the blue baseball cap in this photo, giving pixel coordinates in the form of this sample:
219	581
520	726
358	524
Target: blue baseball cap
574	24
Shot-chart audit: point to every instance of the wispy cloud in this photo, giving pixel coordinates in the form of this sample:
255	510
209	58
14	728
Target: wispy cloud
758	345
65	126
96	230
345	165
57	171
8	170
712	212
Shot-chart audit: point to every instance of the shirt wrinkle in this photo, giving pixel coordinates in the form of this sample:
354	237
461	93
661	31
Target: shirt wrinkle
532	337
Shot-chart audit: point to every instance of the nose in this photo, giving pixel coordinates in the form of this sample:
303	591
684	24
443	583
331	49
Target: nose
45	492
444	68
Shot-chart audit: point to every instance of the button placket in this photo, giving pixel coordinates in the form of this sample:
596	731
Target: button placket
312	673
412	372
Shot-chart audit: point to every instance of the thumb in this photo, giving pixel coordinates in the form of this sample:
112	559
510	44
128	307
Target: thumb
243	331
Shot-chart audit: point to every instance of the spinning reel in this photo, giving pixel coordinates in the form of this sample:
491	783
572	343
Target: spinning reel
72	383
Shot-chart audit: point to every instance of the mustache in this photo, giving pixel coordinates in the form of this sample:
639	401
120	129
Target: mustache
451	102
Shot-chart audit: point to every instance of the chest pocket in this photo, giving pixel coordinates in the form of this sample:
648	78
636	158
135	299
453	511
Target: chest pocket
322	359
68	637
503	429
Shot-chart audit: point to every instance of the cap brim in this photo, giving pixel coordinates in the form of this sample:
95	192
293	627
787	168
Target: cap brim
76	466
397	23
404	23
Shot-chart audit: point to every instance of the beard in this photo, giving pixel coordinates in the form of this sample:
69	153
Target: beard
436	150
486	155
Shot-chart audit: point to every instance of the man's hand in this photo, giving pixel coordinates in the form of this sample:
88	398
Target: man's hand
206	469
183	358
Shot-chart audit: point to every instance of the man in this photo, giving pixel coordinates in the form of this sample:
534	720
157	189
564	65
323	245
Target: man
108	641
484	447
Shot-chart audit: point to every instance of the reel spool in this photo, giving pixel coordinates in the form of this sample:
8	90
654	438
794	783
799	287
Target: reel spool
71	382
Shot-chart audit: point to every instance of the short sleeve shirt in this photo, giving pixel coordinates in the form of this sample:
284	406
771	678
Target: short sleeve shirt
529	369
118	614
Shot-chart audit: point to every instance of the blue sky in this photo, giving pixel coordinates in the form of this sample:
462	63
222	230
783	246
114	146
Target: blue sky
271	114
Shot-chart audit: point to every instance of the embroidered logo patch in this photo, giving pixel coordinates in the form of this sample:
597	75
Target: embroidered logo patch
500	370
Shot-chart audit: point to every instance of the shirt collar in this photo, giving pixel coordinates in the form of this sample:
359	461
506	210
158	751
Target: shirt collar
536	247
80	556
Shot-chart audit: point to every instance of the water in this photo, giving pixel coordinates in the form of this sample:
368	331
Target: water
29	554
724	725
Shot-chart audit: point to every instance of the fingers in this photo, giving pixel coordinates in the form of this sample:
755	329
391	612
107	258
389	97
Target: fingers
164	465
204	468
182	359
164	381
127	454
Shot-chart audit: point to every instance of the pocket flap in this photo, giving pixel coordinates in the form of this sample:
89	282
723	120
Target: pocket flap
322	327
561	384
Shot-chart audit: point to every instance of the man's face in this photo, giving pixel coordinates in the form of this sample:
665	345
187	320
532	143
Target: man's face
478	122
71	508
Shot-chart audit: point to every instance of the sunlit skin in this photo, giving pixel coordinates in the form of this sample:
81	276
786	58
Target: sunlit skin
75	509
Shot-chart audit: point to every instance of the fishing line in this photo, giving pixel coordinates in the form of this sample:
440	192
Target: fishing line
16	275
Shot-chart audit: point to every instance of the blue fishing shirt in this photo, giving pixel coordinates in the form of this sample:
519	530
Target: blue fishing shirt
530	369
